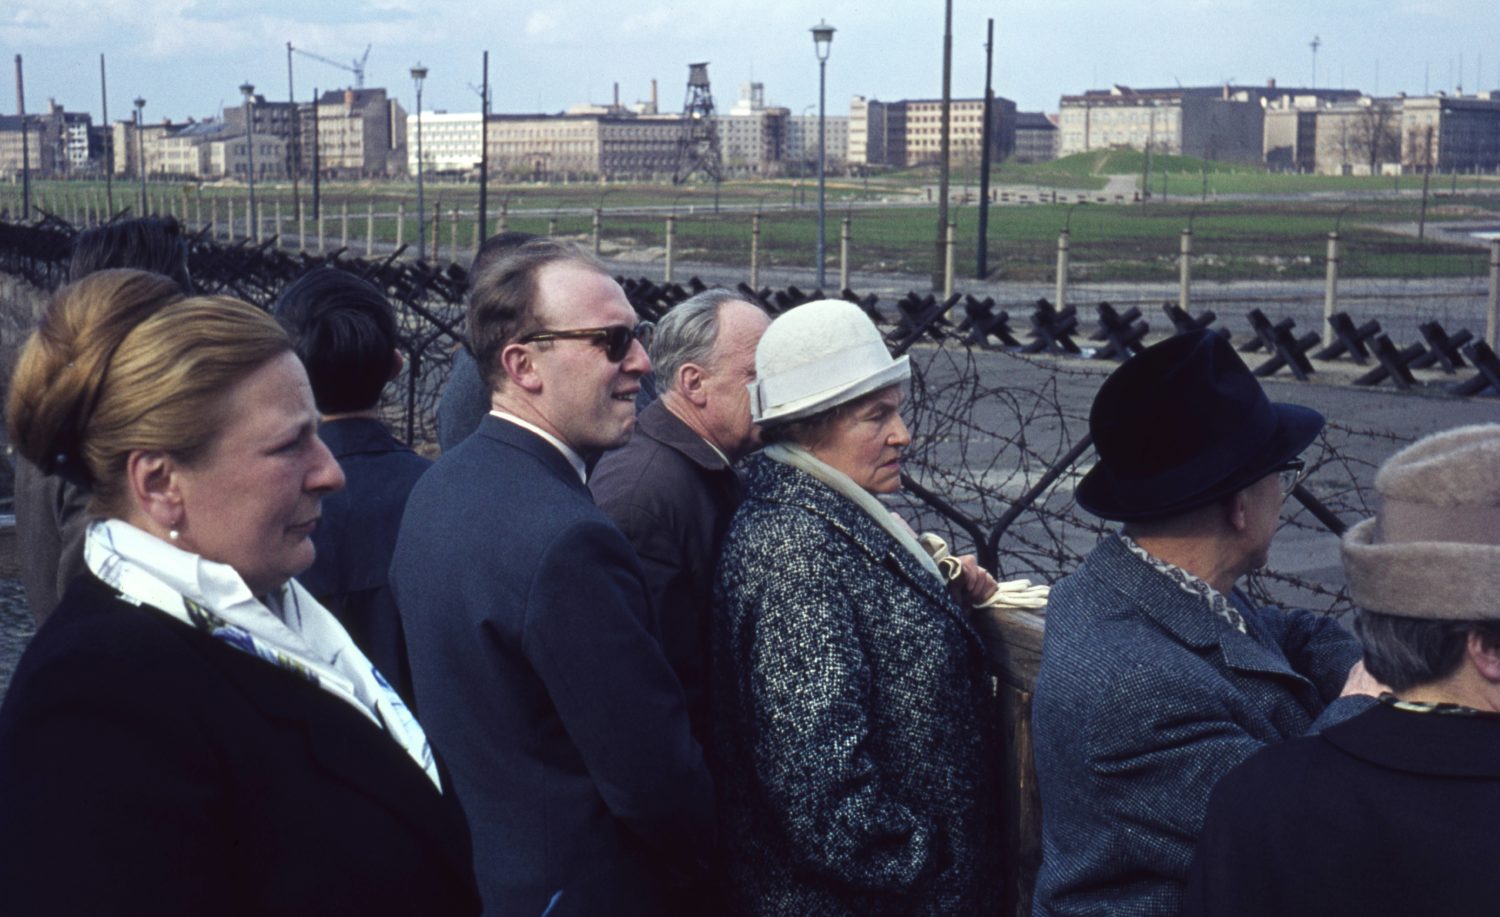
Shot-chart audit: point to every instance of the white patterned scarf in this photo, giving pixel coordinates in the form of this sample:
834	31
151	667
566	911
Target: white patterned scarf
1192	585
803	460
304	639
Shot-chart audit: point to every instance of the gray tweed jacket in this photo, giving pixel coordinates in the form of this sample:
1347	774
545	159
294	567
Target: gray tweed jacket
854	747
1144	700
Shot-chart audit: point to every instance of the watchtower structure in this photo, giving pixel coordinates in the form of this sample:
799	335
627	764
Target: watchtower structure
698	144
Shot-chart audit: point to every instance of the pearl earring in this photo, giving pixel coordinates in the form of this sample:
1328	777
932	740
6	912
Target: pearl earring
173	534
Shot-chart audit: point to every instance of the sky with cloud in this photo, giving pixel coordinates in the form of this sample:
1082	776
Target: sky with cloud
186	57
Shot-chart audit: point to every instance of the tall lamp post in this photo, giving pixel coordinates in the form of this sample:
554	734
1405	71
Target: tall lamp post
418	75
822	43
140	149
248	91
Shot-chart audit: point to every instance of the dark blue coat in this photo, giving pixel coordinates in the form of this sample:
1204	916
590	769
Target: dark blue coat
357	536
1144	700
855	742
148	768
541	681
1389	814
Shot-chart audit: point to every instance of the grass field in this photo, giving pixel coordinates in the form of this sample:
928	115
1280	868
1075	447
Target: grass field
892	228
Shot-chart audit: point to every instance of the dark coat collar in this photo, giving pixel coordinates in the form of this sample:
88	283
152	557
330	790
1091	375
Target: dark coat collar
1185	616
342	741
775	482
357	435
518	437
1445	745
660	424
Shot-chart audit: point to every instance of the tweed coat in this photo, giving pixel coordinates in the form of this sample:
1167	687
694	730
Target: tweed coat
1144	699
148	768
672	495
1390	813
357	536
539	677
854	744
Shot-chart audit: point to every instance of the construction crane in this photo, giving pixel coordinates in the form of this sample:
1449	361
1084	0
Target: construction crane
356	67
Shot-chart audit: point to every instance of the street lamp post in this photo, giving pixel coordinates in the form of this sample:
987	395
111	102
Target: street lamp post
248	91
822	43
418	75
140	149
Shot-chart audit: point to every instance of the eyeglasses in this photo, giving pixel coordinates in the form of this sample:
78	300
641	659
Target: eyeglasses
615	339
1290	473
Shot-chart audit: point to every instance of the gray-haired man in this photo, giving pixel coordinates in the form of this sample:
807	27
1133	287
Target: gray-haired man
672	488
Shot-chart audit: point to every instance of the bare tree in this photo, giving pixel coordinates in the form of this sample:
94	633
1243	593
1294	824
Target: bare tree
1375	135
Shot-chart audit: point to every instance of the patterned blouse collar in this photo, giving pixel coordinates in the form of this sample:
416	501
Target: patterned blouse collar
1192	585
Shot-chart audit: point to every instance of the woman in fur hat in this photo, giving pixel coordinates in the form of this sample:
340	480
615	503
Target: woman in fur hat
1391	812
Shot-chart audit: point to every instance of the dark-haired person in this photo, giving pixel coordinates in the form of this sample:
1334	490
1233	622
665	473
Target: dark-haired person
50	509
465	398
344	329
1157	674
534	652
1393	811
190	731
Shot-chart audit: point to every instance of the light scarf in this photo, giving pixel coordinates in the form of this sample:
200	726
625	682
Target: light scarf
304	639
805	461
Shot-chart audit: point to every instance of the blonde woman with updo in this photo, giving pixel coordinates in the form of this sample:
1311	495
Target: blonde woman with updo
190	732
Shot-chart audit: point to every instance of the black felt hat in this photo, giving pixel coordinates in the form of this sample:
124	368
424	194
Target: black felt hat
1181	424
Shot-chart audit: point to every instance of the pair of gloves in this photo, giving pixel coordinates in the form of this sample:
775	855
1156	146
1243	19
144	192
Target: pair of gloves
1016	593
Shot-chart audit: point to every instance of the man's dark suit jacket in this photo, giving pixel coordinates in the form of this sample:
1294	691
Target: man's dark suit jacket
673	495
540	680
1389	813
147	768
357	536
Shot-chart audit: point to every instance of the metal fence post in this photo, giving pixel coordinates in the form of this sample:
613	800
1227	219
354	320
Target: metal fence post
1330	287
1062	270
1185	270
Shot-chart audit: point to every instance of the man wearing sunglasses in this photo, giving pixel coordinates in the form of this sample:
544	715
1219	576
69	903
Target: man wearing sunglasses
534	653
1158	676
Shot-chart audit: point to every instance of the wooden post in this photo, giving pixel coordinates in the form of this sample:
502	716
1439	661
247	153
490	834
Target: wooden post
1330	288
453	236
344	225
322	236
1184	269
671	237
437	222
552	225
504	217
844	256
949	239
370	228
598	220
755	251
229	223
1492	321
401	226
276	230
302	232
1062	270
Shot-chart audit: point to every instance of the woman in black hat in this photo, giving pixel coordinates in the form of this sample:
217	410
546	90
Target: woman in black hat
1157	675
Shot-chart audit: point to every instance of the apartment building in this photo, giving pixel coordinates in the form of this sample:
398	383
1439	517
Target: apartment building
909	132
451	142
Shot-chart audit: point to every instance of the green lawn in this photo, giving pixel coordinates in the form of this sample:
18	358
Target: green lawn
1231	240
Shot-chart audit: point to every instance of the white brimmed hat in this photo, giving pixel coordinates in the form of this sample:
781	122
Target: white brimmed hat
1433	549
817	356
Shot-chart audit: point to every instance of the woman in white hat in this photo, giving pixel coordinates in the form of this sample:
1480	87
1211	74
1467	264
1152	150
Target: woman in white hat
1392	811
854	748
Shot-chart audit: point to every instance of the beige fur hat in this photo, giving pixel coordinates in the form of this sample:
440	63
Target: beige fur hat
1433	548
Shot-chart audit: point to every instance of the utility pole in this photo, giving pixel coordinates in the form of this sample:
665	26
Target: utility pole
1315	44
294	155
316	165
484	151
109	144
982	262
941	242
25	144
